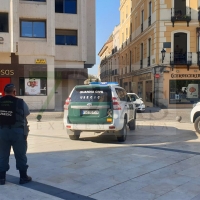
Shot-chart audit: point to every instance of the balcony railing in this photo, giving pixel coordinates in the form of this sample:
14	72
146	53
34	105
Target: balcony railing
141	64
149	21
141	27
148	61
181	15
181	58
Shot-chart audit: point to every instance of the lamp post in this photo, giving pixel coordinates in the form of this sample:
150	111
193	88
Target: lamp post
163	54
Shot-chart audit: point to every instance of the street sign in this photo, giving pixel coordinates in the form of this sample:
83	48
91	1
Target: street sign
157	75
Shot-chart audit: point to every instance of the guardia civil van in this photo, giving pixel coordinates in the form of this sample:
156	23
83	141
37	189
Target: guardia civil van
99	107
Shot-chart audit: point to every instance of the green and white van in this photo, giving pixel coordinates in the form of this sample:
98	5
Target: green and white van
99	107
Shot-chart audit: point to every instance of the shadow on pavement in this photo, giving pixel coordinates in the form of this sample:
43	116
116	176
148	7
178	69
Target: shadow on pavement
144	134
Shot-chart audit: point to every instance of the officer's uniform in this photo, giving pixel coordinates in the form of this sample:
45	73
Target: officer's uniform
13	132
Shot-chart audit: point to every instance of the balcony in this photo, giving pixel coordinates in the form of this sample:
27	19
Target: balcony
178	15
149	21
181	59
141	63
141	27
148	61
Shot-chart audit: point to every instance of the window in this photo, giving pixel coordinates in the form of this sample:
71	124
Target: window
141	56
121	93
150	8
66	37
3	22
33	29
97	94
66	6
142	20
32	86
149	52
184	91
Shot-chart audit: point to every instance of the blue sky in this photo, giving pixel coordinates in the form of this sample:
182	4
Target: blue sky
107	17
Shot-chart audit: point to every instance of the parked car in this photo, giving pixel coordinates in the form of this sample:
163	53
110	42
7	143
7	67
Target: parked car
140	106
195	116
99	107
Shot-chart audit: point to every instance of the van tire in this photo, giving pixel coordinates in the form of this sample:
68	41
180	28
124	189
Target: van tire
197	124
132	124
123	133
73	135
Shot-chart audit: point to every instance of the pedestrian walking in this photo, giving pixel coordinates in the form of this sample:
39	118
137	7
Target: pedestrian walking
13	133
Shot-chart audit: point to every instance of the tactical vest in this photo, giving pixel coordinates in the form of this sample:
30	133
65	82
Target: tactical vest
10	107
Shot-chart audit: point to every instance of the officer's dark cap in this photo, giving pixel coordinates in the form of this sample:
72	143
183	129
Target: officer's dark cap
9	87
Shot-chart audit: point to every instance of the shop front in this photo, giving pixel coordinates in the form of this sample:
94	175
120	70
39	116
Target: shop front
182	87
142	85
30	81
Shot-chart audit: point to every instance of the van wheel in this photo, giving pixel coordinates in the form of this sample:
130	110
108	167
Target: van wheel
132	124
73	135
197	124
123	133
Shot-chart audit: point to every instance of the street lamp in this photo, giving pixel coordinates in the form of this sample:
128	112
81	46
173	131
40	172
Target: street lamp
163	54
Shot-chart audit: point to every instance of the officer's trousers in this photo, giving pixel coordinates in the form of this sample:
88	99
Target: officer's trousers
13	137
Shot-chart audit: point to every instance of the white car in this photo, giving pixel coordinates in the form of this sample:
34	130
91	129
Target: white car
140	106
195	116
99	107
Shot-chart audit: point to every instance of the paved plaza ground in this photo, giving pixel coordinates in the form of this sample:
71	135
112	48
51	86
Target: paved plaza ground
159	160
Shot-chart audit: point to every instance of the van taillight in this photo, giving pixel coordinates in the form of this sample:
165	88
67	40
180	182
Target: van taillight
116	105
67	102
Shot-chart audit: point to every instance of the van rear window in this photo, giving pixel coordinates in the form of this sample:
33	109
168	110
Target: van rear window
91	95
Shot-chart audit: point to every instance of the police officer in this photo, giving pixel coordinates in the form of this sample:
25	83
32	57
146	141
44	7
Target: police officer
13	133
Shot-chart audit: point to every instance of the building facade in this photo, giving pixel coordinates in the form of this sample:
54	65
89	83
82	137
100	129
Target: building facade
159	57
46	48
105	55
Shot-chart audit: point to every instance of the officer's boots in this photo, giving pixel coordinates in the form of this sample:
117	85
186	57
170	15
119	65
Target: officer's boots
2	178
24	178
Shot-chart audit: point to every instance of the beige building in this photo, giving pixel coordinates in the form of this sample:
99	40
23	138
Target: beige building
109	56
105	55
46	48
159	51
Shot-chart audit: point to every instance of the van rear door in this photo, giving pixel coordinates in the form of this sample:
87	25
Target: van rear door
90	105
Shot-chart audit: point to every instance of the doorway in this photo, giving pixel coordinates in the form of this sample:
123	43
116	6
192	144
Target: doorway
180	7
180	48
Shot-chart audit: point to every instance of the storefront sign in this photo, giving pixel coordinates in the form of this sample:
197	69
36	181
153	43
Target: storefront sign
40	61
1	40
185	75
144	77
157	75
6	72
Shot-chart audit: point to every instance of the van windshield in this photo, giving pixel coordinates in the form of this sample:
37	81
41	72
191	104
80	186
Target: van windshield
97	94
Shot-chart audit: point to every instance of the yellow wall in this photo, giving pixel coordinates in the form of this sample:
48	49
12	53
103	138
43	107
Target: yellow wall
125	11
